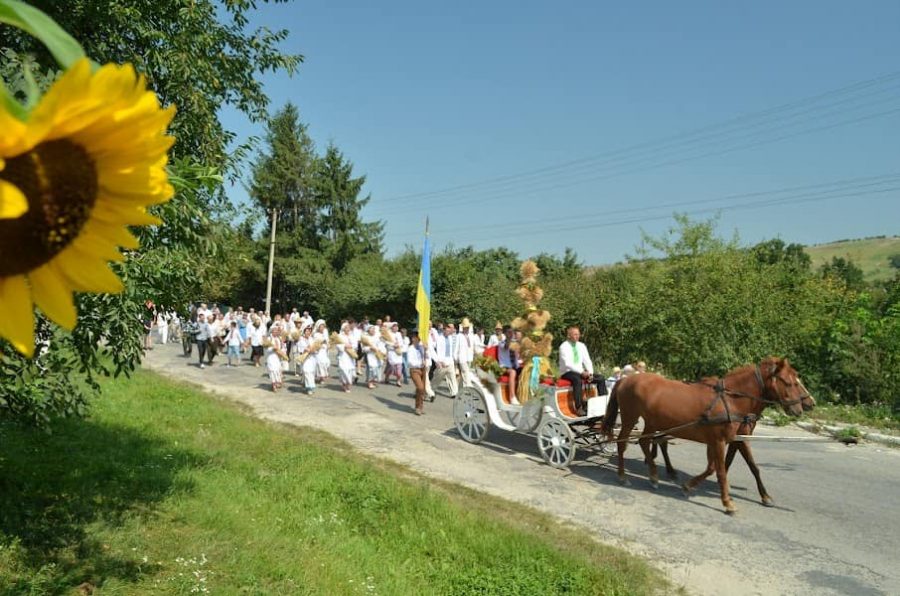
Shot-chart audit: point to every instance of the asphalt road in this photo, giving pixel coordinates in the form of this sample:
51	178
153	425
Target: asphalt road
835	528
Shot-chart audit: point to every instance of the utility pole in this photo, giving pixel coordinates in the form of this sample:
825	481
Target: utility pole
271	262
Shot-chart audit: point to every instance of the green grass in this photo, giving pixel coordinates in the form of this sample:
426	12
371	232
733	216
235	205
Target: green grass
167	490
871	255
880	417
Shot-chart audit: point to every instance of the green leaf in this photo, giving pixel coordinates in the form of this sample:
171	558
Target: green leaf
11	105
32	89
65	49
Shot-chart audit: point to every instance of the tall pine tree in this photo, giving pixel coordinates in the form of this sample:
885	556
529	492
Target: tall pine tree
344	231
283	177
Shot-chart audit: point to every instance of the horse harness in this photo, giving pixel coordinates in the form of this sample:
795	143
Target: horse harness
748	420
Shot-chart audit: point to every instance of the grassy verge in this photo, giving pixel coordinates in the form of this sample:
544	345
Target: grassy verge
877	417
166	490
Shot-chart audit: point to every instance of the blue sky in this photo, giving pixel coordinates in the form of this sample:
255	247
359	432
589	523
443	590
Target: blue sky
426	96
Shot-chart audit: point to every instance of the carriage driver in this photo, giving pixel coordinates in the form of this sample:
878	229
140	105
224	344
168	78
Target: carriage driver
575	365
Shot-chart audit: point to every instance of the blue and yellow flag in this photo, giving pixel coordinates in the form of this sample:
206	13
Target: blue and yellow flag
423	293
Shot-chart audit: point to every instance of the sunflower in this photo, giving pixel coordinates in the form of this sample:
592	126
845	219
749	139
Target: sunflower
85	164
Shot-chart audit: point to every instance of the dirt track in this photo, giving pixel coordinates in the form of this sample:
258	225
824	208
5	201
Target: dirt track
833	530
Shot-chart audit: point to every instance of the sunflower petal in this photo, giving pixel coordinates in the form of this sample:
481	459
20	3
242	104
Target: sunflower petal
116	234
86	273
17	322
130	215
53	295
12	202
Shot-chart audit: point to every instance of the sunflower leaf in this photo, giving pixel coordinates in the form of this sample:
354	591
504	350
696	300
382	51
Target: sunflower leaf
11	105
32	89
65	49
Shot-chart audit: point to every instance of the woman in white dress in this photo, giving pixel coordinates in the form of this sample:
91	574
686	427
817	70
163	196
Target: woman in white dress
274	355
322	360
309	365
162	325
374	350
394	356
345	360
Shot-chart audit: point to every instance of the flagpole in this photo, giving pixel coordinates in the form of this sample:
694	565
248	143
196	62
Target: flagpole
423	291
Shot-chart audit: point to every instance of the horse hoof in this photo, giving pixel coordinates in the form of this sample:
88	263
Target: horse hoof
686	490
730	510
768	502
654	484
624	481
673	476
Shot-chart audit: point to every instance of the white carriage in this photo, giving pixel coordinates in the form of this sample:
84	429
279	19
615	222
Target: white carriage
550	416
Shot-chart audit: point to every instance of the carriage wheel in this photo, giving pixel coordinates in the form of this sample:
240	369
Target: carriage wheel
471	416
527	418
556	442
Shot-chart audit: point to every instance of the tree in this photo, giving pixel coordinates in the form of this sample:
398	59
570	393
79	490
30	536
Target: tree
199	62
283	177
775	251
196	54
846	271
337	194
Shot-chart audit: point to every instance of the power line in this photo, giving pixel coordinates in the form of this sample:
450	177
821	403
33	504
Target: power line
738	124
826	191
668	162
817	189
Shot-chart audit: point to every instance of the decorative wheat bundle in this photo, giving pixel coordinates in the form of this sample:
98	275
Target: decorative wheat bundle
388	336
337	338
313	348
369	341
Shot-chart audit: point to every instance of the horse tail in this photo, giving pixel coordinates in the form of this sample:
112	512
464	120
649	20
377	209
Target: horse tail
612	410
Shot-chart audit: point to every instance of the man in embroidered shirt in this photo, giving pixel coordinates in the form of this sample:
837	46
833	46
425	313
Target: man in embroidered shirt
465	352
446	352
575	365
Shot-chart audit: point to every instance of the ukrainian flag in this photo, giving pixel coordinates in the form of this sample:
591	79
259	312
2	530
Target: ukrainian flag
423	293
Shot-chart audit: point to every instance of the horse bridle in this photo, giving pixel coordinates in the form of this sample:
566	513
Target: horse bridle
721	391
773	376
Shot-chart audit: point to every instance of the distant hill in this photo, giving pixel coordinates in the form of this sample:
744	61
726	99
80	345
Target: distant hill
870	254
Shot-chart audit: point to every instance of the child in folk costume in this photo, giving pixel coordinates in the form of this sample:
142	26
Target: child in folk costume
346	358
322	360
307	357
274	355
394	345
374	349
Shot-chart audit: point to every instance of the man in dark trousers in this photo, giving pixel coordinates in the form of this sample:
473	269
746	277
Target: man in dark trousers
575	365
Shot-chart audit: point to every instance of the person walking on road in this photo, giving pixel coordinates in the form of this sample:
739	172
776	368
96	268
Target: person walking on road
203	335
415	356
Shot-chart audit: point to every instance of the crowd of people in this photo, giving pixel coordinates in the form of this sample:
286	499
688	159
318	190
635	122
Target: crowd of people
369	352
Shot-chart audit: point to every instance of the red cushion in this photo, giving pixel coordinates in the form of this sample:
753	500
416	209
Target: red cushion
563	383
491	352
547	382
504	379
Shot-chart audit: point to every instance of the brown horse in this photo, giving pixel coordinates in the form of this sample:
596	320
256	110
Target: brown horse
704	412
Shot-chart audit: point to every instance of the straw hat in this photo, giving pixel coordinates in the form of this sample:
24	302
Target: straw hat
465	323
